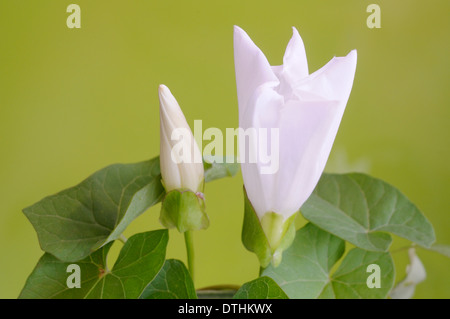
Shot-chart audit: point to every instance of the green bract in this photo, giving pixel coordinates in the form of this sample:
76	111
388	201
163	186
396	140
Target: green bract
185	210
267	238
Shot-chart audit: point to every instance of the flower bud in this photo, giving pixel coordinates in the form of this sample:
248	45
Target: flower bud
182	169
180	157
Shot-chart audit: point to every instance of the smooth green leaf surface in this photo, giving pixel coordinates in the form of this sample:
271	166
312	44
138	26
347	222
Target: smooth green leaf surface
305	271
214	170
260	288
138	263
362	210
172	282
75	222
441	249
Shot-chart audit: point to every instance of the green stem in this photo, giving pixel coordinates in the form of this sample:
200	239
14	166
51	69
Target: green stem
188	238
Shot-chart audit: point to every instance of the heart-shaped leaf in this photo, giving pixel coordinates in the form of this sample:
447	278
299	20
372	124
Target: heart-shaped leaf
361	209
75	222
172	282
138	263
260	288
305	269
229	166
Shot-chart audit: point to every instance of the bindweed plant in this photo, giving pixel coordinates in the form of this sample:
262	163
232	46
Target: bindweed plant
302	113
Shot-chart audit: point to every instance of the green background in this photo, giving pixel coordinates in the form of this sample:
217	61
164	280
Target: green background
75	100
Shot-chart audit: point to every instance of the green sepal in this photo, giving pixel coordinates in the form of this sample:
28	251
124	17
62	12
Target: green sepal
185	210
268	237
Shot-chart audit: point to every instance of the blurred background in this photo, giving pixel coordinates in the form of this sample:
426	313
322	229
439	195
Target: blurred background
75	100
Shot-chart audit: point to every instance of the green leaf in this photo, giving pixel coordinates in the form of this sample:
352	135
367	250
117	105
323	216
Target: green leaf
75	222
441	249
361	209
305	271
138	263
214	170
260	288
172	282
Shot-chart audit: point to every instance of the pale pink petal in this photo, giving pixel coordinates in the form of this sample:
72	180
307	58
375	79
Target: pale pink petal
172	179
177	174
309	126
307	133
262	112
251	66
295	64
333	81
307	110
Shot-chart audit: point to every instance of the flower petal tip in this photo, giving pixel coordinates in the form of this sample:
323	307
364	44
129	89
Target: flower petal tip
165	93
353	55
162	89
166	98
296	36
239	33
